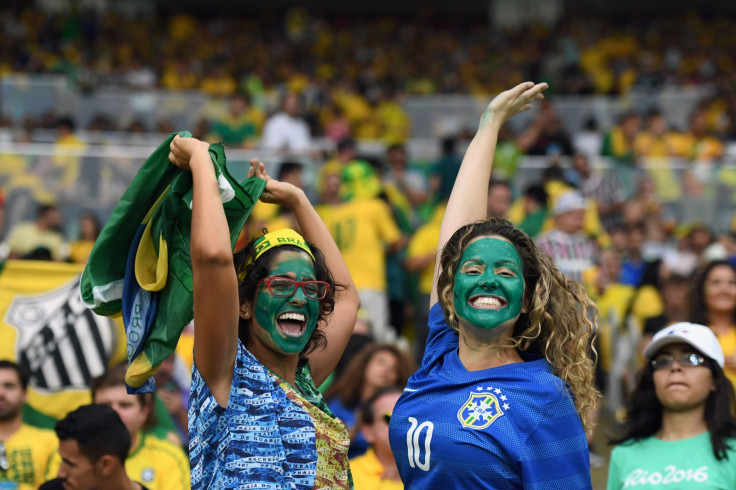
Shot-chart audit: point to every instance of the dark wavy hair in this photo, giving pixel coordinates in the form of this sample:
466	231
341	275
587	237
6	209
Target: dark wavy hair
558	316
698	308
251	271
645	411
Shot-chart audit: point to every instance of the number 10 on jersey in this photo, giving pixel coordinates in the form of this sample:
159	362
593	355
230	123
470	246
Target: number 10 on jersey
413	446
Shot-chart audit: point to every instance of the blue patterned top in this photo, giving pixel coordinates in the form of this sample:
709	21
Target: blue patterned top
266	437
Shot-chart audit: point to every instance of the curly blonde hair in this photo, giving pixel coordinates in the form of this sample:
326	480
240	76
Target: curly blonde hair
558	320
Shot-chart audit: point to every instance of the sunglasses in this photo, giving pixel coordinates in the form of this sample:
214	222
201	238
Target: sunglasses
386	418
4	463
690	360
283	286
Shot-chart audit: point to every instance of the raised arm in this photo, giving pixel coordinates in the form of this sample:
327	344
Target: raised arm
341	322
467	201
215	284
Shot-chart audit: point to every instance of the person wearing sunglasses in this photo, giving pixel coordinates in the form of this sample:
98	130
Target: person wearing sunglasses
270	325
376	468
680	431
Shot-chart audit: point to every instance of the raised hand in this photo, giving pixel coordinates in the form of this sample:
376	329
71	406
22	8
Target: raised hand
258	169
182	149
512	101
276	192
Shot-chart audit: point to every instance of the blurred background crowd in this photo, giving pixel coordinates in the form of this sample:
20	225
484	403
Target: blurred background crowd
625	175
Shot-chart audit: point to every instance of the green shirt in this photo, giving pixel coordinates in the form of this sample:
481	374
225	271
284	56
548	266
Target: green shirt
684	464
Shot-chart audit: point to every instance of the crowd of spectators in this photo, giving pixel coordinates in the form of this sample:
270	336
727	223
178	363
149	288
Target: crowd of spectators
614	231
352	70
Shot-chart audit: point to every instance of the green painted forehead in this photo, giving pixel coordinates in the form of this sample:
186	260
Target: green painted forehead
492	250
294	261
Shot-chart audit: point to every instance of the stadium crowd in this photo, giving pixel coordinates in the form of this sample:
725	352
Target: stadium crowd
290	80
355	70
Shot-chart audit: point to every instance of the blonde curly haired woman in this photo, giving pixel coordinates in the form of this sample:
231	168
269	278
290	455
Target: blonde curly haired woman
506	383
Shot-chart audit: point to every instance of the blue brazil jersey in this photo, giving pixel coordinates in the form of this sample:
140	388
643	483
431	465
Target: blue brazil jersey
512	426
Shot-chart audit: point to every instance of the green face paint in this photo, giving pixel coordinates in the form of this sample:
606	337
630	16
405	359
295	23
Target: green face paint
285	324
489	285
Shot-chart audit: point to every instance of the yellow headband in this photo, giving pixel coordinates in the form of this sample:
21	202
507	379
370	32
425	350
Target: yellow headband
280	238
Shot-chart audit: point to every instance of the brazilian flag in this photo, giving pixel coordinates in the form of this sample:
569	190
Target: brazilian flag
140	265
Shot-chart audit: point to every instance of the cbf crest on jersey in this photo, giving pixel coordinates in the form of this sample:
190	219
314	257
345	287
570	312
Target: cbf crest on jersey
483	406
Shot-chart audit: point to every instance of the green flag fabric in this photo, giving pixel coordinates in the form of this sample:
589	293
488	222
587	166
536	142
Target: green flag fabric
140	265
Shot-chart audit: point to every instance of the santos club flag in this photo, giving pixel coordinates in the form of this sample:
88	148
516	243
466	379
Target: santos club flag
45	327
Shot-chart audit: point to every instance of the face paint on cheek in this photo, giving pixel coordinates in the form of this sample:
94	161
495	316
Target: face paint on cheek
269	308
489	285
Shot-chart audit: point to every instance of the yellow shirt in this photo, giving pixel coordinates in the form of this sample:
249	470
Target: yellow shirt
425	240
278	222
30	452
222	86
395	123
672	144
613	305
26	237
705	148
67	165
79	251
659	152
325	211
728	344
185	348
264	211
362	229
647	303
158	464
266	215
368	473
173	80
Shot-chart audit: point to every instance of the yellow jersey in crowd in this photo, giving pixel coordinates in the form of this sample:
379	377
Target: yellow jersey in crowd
158	464
362	229
31	454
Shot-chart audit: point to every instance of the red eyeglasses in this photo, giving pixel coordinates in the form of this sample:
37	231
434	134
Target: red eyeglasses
283	286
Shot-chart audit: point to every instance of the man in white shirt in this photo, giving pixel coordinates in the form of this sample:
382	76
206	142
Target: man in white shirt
286	130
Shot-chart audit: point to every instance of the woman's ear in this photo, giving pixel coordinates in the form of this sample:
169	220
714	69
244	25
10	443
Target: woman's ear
245	310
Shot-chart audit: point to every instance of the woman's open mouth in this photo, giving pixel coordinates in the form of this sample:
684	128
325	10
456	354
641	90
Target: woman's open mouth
292	324
487	302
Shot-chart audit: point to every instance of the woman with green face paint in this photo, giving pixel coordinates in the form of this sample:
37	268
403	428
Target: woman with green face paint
270	324
506	382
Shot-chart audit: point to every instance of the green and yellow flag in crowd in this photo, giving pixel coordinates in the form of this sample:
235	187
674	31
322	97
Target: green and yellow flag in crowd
140	265
45	327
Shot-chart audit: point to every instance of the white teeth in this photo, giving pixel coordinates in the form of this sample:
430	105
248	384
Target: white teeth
487	301
293	316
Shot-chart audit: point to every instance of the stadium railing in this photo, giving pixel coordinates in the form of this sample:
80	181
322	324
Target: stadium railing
96	175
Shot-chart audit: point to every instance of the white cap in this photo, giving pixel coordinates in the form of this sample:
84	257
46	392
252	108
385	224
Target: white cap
569	201
700	337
